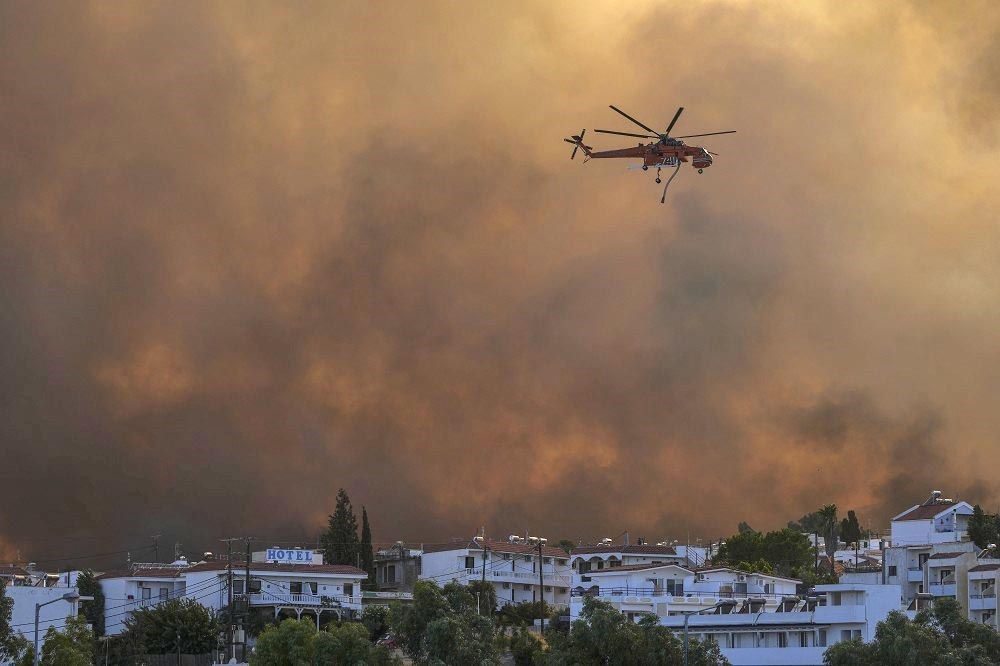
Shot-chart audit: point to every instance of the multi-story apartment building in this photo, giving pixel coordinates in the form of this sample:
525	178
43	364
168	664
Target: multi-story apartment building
664	589
511	566
983	582
797	631
930	552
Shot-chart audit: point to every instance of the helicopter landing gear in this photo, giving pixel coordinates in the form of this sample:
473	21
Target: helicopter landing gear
658	181
701	171
645	168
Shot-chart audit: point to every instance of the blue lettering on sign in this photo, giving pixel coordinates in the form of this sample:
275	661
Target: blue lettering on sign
281	555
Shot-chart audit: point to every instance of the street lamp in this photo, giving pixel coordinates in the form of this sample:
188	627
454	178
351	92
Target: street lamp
727	603
70	597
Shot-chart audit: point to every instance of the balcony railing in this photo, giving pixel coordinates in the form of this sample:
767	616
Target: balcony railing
313	600
530	578
680	597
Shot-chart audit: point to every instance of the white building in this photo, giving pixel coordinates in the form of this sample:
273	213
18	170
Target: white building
52	614
512	567
797	631
935	521
983	582
665	589
323	592
606	556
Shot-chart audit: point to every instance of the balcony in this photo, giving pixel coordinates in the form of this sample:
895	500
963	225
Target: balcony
841	614
914	575
303	600
943	589
987	601
524	577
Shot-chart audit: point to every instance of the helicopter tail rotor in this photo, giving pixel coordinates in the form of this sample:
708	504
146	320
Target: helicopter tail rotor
577	142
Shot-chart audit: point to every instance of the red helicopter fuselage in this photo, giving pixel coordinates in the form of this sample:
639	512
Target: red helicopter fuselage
657	153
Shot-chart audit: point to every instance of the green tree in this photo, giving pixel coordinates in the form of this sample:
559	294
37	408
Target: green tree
441	627
173	624
73	646
603	635
486	596
92	610
850	528
566	545
340	541
744	527
290	643
983	527
783	552
348	645
367	552
830	528
939	635
375	619
525	648
12	644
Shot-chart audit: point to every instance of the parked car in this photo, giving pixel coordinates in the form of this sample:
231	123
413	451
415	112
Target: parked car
388	640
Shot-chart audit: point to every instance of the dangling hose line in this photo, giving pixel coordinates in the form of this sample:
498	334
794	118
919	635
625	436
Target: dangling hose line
676	169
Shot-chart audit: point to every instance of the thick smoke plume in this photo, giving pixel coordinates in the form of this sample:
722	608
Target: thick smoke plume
251	253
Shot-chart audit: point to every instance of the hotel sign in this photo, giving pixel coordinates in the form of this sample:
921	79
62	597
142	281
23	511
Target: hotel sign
294	556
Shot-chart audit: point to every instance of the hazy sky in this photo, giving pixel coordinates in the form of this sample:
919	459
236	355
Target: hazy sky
254	252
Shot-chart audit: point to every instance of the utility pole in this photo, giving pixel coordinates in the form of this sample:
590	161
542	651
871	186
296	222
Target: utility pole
246	594
229	579
541	584
485	550
156	547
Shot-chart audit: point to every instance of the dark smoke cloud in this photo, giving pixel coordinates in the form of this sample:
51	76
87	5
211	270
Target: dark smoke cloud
252	254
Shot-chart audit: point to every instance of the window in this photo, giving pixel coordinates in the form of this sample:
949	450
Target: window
349	589
584	567
506	586
547	560
470	562
548	588
238	586
821	637
783	639
561	563
295	587
892	570
390	573
254	586
527	558
526	587
164	593
147	593
845	634
506	556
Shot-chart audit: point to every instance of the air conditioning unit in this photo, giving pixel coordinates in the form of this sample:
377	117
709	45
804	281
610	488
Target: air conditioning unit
741	578
506	586
701	576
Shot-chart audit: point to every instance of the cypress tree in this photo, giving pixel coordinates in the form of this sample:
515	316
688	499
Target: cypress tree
87	583
340	541
367	553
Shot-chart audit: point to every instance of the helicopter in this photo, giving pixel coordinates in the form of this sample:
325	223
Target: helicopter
666	151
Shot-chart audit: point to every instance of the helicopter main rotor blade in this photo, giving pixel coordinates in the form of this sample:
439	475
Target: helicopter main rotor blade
641	136
691	136
648	129
672	122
